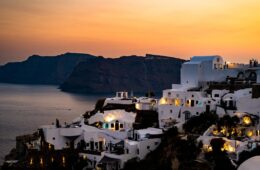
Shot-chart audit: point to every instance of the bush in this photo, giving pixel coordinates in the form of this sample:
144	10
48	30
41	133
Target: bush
199	124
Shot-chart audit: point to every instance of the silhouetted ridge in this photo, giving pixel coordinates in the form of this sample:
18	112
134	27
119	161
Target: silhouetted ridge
131	73
42	69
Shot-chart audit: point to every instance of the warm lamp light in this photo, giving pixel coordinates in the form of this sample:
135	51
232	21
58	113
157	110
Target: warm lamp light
31	161
227	146
109	118
163	101
246	120
249	133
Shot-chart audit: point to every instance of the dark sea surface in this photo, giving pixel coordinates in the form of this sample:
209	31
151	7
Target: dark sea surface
23	108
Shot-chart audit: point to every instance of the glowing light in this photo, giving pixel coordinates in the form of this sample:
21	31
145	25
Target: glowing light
177	102
207	148
49	146
138	106
84	157
31	161
63	159
249	133
188	103
246	120
41	161
52	159
215	132
223	130
227	146
163	101
109	117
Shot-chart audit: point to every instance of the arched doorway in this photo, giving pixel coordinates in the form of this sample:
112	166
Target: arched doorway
240	75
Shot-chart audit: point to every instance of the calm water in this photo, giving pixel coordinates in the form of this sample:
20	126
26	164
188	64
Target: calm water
23	108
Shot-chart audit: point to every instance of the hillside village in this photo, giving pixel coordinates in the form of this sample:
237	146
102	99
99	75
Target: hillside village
208	121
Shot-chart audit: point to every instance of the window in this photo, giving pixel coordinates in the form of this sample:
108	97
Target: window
216	95
87	144
200	104
177	102
121	126
192	103
148	147
53	138
192	95
137	151
171	110
188	102
112	125
106	126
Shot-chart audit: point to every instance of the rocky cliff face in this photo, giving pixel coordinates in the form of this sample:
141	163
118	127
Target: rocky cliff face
42	70
130	73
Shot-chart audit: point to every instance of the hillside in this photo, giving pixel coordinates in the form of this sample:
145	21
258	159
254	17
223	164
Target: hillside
130	73
41	69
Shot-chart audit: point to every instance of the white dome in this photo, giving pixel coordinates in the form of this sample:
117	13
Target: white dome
250	164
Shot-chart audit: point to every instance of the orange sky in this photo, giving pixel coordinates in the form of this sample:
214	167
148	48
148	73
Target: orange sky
112	28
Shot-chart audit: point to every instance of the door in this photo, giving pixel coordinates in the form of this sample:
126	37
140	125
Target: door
117	125
91	145
207	108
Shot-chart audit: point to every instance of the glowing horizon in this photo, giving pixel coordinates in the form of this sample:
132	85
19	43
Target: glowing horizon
112	28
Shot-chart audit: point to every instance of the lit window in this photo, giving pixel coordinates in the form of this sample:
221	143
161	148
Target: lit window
246	120
177	102
187	104
228	147
163	101
249	133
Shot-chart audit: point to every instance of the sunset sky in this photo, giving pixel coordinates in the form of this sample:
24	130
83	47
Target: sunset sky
112	28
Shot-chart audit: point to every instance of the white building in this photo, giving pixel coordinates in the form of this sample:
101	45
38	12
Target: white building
107	139
194	96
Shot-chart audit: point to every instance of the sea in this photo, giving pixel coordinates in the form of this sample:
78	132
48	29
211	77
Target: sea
24	108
